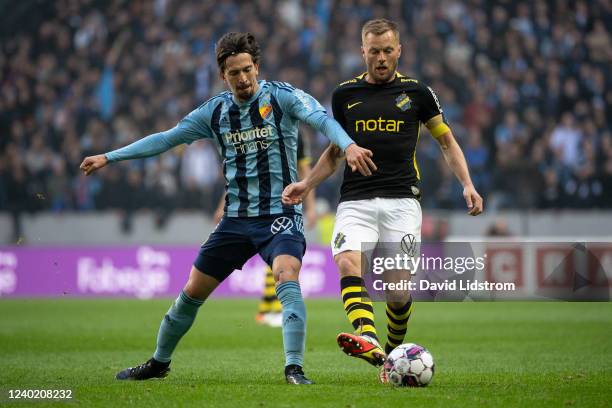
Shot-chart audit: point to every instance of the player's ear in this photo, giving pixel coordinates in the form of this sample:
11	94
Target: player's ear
222	75
399	49
256	68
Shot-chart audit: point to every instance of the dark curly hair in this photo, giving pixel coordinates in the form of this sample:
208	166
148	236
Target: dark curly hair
237	43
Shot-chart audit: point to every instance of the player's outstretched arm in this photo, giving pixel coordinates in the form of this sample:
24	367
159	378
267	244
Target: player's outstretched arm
93	163
456	161
190	128
294	193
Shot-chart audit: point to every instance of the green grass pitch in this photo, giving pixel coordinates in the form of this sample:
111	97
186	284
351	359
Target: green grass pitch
487	354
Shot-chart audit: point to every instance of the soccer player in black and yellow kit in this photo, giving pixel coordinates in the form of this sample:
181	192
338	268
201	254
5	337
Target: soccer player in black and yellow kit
381	110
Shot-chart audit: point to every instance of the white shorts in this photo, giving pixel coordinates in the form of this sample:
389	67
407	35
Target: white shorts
361	224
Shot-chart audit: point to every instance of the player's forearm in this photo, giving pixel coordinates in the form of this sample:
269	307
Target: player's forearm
147	146
330	128
456	162
325	167
304	171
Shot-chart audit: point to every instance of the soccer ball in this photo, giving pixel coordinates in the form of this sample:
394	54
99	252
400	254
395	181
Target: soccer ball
409	365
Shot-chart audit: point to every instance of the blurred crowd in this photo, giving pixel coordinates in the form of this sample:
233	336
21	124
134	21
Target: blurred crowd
525	86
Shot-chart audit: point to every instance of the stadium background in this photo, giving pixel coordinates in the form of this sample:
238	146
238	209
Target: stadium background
524	85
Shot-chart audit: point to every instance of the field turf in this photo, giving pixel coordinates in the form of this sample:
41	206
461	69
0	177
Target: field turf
487	354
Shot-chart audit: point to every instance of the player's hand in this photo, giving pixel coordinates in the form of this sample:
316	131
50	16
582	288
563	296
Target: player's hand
294	193
473	200
93	163
359	159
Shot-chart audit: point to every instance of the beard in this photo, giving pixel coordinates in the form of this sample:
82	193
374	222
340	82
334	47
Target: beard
245	92
383	73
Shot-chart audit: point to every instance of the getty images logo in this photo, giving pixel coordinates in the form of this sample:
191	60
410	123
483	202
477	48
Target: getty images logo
148	277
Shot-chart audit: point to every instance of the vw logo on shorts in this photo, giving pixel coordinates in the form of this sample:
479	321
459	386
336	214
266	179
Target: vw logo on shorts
281	224
408	244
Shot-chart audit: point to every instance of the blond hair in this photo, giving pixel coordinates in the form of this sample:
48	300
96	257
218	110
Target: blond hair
379	26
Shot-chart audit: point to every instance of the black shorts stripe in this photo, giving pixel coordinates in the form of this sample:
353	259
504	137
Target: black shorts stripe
263	165
241	179
278	116
215	123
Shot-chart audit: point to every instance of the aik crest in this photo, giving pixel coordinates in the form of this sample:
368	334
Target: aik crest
403	102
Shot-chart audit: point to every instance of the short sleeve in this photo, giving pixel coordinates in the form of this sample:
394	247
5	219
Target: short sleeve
429	105
337	110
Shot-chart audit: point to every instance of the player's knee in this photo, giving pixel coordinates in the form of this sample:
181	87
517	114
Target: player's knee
199	286
286	268
348	265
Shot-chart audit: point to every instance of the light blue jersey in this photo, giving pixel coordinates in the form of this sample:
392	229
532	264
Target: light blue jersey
257	140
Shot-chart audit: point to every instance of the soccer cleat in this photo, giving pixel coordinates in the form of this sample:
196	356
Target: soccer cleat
295	375
260	318
150	369
274	319
271	319
383	377
364	347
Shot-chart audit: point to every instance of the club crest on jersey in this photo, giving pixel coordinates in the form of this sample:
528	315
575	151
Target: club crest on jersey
403	102
265	109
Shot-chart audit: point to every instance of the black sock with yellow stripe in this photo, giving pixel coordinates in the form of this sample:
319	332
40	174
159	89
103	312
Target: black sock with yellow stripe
397	321
358	305
269	303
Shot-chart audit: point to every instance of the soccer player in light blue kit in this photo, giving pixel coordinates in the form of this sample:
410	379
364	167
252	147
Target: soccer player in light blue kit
256	128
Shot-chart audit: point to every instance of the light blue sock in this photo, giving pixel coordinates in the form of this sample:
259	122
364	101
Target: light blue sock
175	324
294	322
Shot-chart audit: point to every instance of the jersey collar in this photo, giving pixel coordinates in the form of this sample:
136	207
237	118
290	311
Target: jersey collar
362	77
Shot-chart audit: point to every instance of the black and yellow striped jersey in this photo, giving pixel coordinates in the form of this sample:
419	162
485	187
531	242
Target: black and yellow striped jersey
386	119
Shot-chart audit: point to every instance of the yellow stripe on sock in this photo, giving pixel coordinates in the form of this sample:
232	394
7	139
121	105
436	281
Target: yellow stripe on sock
351	289
366	328
396	326
352	301
395	337
360	314
403	316
276	306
